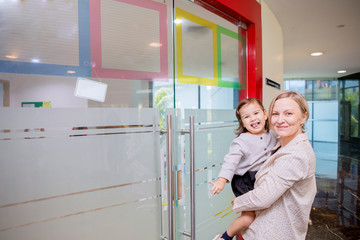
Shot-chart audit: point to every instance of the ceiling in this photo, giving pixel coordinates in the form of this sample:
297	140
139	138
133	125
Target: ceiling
330	26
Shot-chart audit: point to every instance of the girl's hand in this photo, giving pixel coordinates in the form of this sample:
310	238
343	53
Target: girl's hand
218	186
232	202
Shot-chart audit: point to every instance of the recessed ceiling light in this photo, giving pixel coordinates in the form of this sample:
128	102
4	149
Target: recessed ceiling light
316	54
11	56
70	71
35	60
155	44
341	71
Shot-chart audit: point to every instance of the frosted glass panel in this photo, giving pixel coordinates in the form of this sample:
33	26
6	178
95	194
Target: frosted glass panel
132	29
217	98
326	159
96	169
197	40
323	125
187	96
310	104
214	131
46	37
229	59
321	110
326	131
309	129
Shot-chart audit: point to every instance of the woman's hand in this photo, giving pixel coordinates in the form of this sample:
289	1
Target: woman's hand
218	186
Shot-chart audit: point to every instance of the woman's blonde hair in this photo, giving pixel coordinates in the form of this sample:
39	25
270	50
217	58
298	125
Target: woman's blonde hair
297	97
241	129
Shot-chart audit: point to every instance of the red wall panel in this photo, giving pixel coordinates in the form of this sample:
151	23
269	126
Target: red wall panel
249	12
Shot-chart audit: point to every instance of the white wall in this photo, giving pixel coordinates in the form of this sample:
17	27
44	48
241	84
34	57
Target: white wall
59	91
273	53
37	88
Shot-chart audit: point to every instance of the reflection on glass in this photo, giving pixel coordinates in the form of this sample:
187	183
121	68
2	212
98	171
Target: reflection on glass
322	126
352	96
335	104
325	90
349	94
297	85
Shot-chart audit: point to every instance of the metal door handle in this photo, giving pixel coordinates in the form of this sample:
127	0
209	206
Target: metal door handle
170	191
192	176
191	131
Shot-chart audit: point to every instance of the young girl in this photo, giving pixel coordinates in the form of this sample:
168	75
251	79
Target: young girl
246	154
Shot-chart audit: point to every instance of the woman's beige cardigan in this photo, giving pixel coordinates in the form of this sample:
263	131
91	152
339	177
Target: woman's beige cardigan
284	191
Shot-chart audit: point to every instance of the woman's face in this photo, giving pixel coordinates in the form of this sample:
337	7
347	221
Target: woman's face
287	119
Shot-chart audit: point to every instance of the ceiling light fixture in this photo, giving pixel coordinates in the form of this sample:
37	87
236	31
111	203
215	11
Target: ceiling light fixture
341	71
316	54
154	44
11	56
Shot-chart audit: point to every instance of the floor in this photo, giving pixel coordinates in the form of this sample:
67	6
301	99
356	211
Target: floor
336	209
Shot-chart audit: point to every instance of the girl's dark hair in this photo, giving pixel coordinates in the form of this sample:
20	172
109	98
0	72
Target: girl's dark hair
241	129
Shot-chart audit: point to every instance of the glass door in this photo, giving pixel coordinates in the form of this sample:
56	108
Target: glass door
210	57
197	160
210	72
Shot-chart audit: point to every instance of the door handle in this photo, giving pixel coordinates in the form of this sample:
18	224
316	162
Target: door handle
170	189
191	131
170	192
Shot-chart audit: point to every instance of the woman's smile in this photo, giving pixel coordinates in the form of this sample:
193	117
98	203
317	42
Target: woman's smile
287	119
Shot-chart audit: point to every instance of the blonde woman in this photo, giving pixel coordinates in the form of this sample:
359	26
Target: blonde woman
285	184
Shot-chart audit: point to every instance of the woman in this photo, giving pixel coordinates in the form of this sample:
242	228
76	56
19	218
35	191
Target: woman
285	185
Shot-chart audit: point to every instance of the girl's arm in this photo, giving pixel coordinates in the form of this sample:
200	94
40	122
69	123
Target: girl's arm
232	159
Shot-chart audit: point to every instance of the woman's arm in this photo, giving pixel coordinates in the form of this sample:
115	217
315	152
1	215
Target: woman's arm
283	173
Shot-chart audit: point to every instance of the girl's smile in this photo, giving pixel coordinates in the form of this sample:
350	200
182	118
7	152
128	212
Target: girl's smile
253	118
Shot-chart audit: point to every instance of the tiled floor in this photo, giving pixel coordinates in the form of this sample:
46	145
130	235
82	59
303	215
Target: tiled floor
336	209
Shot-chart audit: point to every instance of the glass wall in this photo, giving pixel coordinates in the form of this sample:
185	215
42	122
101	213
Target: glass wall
82	83
333	128
322	126
131	47
349	97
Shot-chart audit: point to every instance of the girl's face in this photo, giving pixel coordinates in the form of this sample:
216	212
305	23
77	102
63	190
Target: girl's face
253	118
287	119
